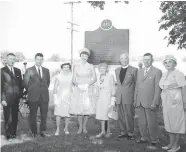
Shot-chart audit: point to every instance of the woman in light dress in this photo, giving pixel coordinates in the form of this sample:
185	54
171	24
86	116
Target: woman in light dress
106	98
62	94
173	96
83	96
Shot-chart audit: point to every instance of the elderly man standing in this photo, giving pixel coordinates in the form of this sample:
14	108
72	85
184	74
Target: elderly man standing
11	95
147	99
126	76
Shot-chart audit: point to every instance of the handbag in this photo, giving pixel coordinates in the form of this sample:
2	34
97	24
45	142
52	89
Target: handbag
113	113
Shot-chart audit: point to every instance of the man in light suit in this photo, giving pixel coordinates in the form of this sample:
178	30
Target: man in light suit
147	99
36	81
126	76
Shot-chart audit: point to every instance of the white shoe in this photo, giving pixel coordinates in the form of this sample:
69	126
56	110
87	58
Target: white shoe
56	133
166	148
172	150
66	132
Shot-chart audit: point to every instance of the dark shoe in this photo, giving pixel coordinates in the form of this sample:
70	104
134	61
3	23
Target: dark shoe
34	135
141	141
130	137
123	136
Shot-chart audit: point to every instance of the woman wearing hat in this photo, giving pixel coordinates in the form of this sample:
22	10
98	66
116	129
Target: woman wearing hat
173	96
106	98
62	94
83	95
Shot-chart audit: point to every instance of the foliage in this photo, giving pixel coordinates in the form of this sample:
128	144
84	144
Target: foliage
19	56
101	4
54	57
174	20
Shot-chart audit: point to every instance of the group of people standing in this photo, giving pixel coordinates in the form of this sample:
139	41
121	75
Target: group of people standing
79	91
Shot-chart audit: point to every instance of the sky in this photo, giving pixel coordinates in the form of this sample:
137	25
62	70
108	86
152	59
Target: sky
32	26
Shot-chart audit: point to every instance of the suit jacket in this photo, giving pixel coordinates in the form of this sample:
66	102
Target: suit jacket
35	85
147	90
125	91
11	85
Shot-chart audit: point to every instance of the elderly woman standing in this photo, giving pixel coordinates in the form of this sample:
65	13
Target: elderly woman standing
83	97
106	98
173	97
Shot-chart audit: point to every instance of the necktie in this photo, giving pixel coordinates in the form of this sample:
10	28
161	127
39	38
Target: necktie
146	71
39	72
12	71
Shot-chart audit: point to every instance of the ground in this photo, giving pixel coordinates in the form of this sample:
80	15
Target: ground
78	143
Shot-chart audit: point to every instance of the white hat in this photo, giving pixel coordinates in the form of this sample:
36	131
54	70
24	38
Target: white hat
84	50
170	57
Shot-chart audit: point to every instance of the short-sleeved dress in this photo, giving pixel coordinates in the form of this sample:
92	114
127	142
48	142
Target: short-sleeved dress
106	88
83	102
172	101
63	94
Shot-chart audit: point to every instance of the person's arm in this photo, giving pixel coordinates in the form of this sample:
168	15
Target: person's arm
3	97
136	89
183	89
48	78
113	87
94	78
26	79
181	82
157	93
21	85
74	76
56	83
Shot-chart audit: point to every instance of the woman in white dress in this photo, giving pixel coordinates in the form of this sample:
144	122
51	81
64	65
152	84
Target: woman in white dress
106	98
83	96
173	85
62	94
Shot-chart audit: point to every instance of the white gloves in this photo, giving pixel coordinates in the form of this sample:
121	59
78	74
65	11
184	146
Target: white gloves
55	99
113	101
83	86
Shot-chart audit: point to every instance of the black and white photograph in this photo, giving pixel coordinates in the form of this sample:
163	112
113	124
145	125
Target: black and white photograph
93	76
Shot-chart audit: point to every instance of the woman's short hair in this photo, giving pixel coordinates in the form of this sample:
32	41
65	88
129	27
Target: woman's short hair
84	52
103	64
63	64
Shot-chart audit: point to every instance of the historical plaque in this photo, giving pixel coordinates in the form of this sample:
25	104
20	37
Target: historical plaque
107	43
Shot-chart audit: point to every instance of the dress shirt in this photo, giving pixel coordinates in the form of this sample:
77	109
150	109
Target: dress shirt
11	70
37	68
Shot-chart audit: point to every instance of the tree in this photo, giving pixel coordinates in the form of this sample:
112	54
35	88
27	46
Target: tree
174	20
19	56
101	4
54	58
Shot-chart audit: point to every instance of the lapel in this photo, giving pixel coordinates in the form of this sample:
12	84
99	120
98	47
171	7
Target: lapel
35	70
127	73
148	73
9	72
117	75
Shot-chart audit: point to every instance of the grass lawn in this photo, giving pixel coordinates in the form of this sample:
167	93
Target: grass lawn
80	143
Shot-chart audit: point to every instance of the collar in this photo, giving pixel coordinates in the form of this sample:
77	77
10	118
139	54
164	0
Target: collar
148	68
124	67
38	67
10	67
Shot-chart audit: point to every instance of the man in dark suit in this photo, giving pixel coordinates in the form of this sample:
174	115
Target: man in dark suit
36	81
126	76
11	93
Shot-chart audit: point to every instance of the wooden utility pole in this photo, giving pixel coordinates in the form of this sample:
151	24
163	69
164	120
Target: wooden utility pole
72	26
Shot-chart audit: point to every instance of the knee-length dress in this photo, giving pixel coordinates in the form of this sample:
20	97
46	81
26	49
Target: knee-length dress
64	90
106	88
83	102
172	101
